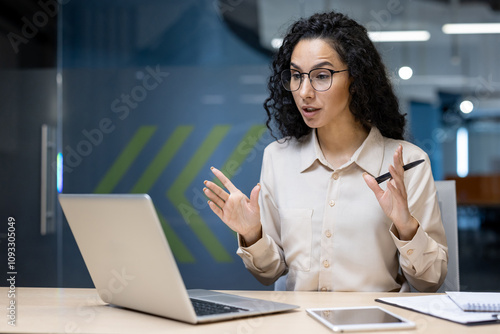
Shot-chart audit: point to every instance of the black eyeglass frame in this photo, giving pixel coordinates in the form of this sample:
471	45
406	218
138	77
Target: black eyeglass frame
332	72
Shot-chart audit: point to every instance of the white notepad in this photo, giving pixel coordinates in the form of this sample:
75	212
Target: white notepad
441	306
476	301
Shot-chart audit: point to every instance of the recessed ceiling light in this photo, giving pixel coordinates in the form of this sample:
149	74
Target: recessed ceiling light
405	72
466	106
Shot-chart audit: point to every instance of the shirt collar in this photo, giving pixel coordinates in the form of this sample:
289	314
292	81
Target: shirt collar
369	156
310	152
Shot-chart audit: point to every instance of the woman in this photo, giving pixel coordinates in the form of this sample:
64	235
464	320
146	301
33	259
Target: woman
313	217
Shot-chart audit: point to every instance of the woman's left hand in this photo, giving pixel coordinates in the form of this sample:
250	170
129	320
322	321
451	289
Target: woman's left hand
394	200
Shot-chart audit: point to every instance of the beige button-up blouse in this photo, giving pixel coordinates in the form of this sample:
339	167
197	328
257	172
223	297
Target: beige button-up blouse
324	229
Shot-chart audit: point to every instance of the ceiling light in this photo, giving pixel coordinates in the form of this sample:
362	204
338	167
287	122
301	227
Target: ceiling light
466	106
472	28
276	42
405	72
399	36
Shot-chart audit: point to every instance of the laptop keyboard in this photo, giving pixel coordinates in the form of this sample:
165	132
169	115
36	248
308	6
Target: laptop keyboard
203	307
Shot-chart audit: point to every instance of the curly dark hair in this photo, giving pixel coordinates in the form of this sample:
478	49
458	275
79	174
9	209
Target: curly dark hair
373	102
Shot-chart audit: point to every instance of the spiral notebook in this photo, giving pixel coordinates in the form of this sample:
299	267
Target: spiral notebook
476	301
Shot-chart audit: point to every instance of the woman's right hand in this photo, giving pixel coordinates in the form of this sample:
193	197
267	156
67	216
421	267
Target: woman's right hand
235	209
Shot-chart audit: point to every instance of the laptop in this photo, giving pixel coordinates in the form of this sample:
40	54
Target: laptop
132	266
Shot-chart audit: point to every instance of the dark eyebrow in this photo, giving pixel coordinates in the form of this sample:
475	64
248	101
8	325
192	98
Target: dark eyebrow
324	63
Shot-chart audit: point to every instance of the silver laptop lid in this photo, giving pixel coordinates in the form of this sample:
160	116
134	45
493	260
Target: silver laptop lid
134	268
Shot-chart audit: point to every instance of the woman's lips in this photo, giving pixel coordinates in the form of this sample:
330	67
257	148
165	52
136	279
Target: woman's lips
309	111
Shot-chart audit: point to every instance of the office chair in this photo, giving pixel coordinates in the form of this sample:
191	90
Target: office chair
448	204
447	199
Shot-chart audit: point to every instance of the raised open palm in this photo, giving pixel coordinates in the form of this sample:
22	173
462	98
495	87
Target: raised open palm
235	209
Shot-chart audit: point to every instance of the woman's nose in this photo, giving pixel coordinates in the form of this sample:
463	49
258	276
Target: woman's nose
306	90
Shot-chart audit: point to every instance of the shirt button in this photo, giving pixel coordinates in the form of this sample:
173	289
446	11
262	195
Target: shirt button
326	264
328	234
335	176
409	252
332	203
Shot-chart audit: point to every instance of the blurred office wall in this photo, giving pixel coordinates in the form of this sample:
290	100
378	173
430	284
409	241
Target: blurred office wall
145	96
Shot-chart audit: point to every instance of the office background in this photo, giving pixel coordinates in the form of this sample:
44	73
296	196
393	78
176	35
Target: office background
144	96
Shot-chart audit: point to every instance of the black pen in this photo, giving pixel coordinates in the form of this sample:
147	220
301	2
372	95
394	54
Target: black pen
387	176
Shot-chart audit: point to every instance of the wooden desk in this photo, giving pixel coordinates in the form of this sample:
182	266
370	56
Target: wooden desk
42	310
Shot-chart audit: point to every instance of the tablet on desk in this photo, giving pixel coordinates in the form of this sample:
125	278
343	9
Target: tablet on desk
351	319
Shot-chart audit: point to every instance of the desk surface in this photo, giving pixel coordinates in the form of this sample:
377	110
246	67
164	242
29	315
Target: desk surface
42	310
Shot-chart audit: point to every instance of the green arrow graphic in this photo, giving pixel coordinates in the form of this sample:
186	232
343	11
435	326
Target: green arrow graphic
180	251
176	194
162	159
149	178
125	160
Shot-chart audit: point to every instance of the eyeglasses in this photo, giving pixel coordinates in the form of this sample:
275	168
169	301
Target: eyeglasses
320	78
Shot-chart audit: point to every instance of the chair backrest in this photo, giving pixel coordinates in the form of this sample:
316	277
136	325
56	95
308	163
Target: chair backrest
447	198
